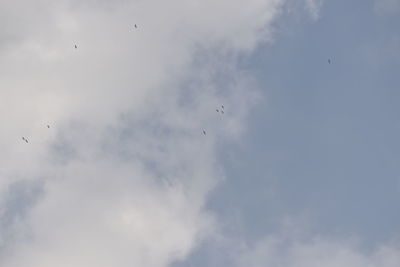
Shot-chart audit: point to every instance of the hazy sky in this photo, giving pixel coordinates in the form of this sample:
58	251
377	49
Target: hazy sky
301	170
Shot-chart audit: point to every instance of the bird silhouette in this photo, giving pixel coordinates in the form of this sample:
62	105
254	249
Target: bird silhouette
48	126
329	61
23	138
204	132
76	46
135	26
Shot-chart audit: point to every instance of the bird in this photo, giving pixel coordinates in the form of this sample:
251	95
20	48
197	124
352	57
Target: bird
222	112
204	132
76	46
48	126
217	110
135	26
329	61
222	106
23	138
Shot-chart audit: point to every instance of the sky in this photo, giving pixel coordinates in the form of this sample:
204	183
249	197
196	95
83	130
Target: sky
300	169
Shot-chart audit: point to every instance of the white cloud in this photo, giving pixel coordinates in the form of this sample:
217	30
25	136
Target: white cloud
121	176
292	252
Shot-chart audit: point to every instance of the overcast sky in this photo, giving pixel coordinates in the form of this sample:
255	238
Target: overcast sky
131	160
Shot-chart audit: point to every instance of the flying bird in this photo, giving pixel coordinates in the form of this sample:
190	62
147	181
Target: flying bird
76	46
217	110
23	138
329	61
135	26
222	106
48	126
204	132
222	112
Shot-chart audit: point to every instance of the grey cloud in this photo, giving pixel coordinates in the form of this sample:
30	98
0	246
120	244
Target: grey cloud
124	170
314	6
387	7
292	252
17	200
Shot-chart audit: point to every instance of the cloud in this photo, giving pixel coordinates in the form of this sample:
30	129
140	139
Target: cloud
292	252
314	7
121	176
387	7
309	9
